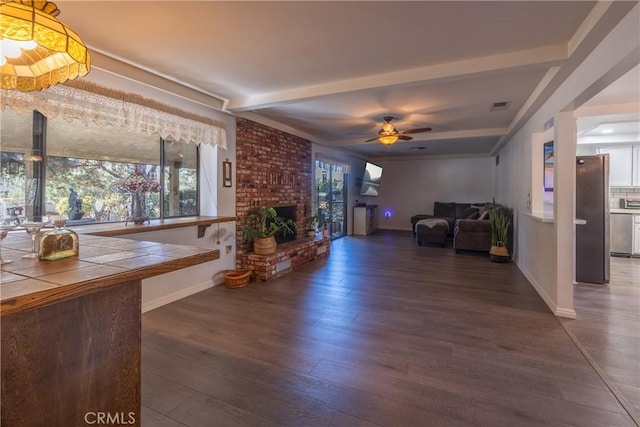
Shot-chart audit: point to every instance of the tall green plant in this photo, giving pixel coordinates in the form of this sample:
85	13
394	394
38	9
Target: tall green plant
499	225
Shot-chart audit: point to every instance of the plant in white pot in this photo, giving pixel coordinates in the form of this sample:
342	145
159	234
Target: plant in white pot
262	226
325	228
312	226
500	222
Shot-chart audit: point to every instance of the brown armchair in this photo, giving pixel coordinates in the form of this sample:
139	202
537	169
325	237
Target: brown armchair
472	235
475	234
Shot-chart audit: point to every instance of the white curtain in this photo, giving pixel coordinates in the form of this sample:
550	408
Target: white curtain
75	104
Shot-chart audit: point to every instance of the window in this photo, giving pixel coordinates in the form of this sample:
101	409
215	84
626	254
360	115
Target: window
15	147
65	169
331	197
180	179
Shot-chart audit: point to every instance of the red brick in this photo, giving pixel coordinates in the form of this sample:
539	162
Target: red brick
265	154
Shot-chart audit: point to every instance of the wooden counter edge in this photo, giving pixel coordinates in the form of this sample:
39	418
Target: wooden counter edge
65	292
119	228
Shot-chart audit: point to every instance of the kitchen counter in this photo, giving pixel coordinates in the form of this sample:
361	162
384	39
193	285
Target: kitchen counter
625	211
71	328
29	283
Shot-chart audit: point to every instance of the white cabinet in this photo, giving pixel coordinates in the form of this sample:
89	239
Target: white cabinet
364	220
636	166
620	165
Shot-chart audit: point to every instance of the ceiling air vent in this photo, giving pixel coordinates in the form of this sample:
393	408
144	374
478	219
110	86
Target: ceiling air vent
500	106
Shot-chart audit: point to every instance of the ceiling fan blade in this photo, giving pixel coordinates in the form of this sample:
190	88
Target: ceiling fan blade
418	130
372	139
404	137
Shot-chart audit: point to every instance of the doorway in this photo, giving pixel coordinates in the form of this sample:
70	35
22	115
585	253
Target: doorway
609	123
331	197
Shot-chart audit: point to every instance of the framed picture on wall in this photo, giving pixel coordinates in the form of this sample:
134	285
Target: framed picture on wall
548	166
226	173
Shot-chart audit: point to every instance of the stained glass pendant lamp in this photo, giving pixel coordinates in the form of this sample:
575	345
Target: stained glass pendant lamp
137	185
37	50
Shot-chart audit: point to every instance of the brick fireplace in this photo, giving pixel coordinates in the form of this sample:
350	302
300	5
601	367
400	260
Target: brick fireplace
273	169
287	212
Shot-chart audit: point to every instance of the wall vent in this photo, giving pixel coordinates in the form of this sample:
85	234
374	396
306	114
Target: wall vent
283	265
500	106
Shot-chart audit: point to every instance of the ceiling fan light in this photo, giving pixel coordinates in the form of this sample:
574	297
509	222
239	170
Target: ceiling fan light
388	127
388	139
58	55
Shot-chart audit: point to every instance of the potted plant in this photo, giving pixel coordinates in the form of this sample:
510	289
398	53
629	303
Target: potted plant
264	224
325	228
312	226
500	222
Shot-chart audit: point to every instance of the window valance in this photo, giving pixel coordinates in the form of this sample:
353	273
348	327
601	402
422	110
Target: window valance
326	162
71	103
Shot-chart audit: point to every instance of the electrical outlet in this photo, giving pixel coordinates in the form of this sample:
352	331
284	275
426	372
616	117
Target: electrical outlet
228	249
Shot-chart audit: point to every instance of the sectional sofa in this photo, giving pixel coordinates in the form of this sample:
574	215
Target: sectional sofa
467	223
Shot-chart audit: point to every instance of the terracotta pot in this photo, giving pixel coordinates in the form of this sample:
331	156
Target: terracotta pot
265	246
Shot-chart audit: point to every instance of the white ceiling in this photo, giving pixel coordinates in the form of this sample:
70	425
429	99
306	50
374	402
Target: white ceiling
613	115
329	71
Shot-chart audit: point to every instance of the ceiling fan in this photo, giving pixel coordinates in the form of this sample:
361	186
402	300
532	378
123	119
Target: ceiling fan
389	134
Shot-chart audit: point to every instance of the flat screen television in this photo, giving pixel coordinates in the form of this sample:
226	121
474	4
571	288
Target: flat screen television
371	180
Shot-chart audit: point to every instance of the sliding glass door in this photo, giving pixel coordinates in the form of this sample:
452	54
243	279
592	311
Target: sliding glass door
331	197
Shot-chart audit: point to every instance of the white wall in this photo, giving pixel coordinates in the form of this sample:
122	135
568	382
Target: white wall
540	265
410	187
538	244
226	197
586	150
215	199
166	288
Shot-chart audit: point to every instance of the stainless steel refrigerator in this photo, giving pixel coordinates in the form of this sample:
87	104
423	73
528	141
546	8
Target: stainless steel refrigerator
592	205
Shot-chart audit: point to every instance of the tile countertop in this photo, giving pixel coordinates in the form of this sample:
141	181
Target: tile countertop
625	211
102	262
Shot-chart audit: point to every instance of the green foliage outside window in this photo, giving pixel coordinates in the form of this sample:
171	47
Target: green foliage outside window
91	179
90	160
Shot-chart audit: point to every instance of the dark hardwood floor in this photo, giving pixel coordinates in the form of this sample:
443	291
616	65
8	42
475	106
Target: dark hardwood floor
383	332
607	328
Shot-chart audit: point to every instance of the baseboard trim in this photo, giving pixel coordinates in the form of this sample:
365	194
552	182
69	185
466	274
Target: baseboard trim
394	228
568	313
182	293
